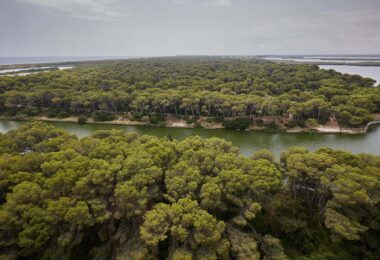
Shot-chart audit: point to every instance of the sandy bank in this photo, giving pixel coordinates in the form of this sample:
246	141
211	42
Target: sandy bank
330	128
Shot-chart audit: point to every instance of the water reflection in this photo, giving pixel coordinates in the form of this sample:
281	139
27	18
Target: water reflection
248	142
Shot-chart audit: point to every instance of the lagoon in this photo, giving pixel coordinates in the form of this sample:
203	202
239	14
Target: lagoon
247	142
372	72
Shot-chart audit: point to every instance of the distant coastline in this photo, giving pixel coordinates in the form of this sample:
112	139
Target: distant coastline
349	60
55	59
355	60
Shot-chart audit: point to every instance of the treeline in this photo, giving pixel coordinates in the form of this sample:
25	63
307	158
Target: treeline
117	195
218	88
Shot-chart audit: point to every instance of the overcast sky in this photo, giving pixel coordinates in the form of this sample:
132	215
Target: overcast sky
185	27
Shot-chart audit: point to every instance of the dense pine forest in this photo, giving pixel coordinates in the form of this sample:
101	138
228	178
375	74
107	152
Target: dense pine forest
237	92
117	195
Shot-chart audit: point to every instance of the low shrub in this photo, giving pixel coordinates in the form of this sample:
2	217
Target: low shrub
218	119
156	119
137	116
53	113
191	120
63	114
291	124
295	123
270	125
259	122
12	112
311	122
31	111
103	116
237	124
300	123
82	120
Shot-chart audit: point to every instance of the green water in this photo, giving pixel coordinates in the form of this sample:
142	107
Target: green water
248	142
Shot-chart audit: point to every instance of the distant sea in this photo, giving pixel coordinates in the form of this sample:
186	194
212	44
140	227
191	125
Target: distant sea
31	60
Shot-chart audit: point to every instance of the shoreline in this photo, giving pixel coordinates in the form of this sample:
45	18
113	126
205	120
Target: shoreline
179	123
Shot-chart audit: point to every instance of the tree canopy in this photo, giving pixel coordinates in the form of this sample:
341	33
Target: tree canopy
117	195
217	88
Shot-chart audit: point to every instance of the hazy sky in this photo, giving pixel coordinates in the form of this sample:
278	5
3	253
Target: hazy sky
184	27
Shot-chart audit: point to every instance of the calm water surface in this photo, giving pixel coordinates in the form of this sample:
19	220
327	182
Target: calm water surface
247	142
52	59
372	72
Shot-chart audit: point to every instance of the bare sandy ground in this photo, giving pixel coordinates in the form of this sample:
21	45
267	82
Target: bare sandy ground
331	127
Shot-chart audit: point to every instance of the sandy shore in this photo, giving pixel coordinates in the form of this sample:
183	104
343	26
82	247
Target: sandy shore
330	128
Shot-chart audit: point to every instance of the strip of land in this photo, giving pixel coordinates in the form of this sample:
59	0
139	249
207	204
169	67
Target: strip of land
331	127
